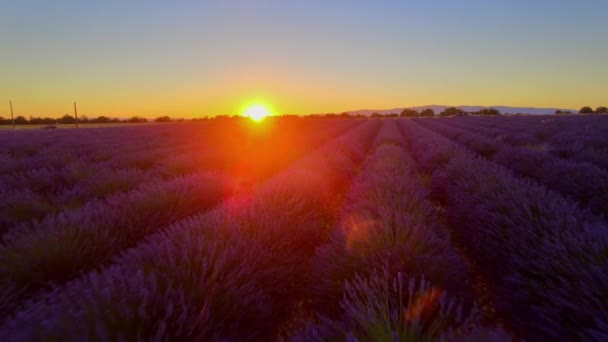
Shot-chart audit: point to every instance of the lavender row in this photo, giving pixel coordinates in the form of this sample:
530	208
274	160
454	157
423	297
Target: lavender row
39	192
32	259
57	149
121	154
583	182
554	132
541	121
579	138
543	257
563	140
53	190
382	307
228	138
389	228
49	191
24	150
31	143
60	247
44	179
23	206
225	275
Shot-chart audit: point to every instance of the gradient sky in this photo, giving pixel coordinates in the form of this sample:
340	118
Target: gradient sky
192	58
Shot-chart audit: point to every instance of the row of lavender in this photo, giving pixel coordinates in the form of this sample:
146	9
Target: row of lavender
238	271
582	182
69	167
63	245
44	190
233	273
542	257
38	192
582	139
372	260
389	271
24	150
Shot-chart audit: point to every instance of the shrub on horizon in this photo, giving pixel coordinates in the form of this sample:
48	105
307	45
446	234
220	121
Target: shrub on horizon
451	111
428	112
163	119
407	112
489	111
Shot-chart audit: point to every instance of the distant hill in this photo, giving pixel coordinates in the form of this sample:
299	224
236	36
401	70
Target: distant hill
439	108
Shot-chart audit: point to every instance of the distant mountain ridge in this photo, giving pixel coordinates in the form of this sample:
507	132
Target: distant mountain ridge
440	108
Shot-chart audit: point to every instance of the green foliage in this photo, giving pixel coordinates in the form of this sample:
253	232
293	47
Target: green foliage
427	112
101	119
136	119
601	110
20	120
586	110
407	112
67	119
489	111
451	111
385	308
163	119
41	121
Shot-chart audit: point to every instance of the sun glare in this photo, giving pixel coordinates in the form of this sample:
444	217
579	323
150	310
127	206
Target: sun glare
257	112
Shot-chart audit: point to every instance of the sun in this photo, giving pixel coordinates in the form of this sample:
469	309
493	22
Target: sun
257	112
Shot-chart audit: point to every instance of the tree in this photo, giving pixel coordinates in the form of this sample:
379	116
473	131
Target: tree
20	120
101	119
377	115
136	119
41	121
601	110
489	111
67	119
451	111
407	112
428	112
393	115
4	121
586	110
345	115
163	119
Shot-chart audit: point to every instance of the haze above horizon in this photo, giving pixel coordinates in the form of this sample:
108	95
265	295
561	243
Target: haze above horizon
193	58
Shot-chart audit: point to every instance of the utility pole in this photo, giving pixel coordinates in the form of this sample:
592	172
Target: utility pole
12	115
76	114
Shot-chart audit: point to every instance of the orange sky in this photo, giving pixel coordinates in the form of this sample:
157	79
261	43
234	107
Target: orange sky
194	59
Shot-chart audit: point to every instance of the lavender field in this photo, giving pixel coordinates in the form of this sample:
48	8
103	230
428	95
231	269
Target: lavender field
307	229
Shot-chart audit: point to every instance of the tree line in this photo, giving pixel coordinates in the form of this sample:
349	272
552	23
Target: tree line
450	111
589	110
407	112
69	119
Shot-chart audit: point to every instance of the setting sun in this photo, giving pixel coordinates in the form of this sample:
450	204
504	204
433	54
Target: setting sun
257	112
